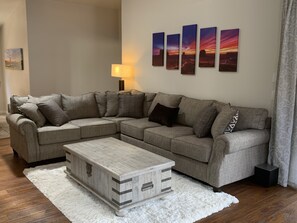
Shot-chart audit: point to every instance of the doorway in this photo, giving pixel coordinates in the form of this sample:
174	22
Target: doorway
2	79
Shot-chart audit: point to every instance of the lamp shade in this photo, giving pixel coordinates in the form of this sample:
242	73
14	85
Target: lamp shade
120	70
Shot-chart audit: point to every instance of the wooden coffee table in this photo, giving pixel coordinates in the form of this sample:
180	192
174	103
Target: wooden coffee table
122	175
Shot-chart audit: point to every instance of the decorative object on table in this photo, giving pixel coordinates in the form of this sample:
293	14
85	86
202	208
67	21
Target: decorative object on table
207	54
120	70
172	53
189	49
158	49
229	50
190	201
266	175
14	59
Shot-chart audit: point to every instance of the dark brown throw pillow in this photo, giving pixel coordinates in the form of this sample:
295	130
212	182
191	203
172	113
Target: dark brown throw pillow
204	121
164	115
53	112
131	105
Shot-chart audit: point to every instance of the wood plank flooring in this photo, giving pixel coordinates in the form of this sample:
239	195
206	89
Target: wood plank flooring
21	201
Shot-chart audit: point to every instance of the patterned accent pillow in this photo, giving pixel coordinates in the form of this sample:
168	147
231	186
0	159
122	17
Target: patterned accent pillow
232	123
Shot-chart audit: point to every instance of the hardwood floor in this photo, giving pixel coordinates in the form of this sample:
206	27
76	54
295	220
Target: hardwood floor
20	201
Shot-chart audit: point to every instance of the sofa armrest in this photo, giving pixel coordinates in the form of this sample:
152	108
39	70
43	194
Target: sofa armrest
20	123
245	139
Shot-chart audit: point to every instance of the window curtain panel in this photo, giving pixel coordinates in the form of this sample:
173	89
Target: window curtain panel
283	143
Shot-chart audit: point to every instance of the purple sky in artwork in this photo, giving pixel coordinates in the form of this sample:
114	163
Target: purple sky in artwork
158	43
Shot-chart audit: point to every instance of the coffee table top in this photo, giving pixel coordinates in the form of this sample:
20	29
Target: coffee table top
118	157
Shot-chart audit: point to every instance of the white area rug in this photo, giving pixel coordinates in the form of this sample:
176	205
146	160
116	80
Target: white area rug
189	202
4	129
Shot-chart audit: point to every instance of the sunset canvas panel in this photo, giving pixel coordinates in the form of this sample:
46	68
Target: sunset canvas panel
158	49
207	54
189	37
14	59
172	58
229	50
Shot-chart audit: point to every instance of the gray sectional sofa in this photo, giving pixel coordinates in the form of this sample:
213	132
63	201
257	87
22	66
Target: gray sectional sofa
217	161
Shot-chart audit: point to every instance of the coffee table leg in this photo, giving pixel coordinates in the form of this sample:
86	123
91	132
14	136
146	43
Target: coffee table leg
121	213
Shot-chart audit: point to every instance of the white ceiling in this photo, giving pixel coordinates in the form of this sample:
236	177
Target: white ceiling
6	6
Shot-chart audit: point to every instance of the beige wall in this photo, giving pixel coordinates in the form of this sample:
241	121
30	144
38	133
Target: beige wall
259	23
72	47
14	33
2	86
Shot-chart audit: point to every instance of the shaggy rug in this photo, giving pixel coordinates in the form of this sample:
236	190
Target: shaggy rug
189	202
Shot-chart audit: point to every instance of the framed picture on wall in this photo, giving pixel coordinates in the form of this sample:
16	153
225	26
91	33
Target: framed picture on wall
14	59
207	53
172	52
158	49
229	50
189	49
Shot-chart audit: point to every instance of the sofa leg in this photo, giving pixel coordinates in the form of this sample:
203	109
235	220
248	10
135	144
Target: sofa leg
15	153
217	189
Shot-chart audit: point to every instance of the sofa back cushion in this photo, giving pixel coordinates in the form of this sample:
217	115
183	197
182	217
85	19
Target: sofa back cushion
112	104
131	105
148	99
189	109
15	102
55	97
251	118
101	103
168	100
83	106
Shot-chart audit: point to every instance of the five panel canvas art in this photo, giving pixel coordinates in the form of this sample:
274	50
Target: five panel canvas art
207	52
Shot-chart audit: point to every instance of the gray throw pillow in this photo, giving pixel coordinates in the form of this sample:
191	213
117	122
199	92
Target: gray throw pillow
15	102
148	99
112	104
168	100
83	106
55	97
31	111
222	121
205	119
53	112
101	103
131	106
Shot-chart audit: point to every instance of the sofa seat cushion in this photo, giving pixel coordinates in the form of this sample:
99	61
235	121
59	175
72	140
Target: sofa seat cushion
117	121
57	134
162	136
94	127
192	147
135	128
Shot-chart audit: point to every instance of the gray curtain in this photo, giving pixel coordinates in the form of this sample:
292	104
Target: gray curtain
283	144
